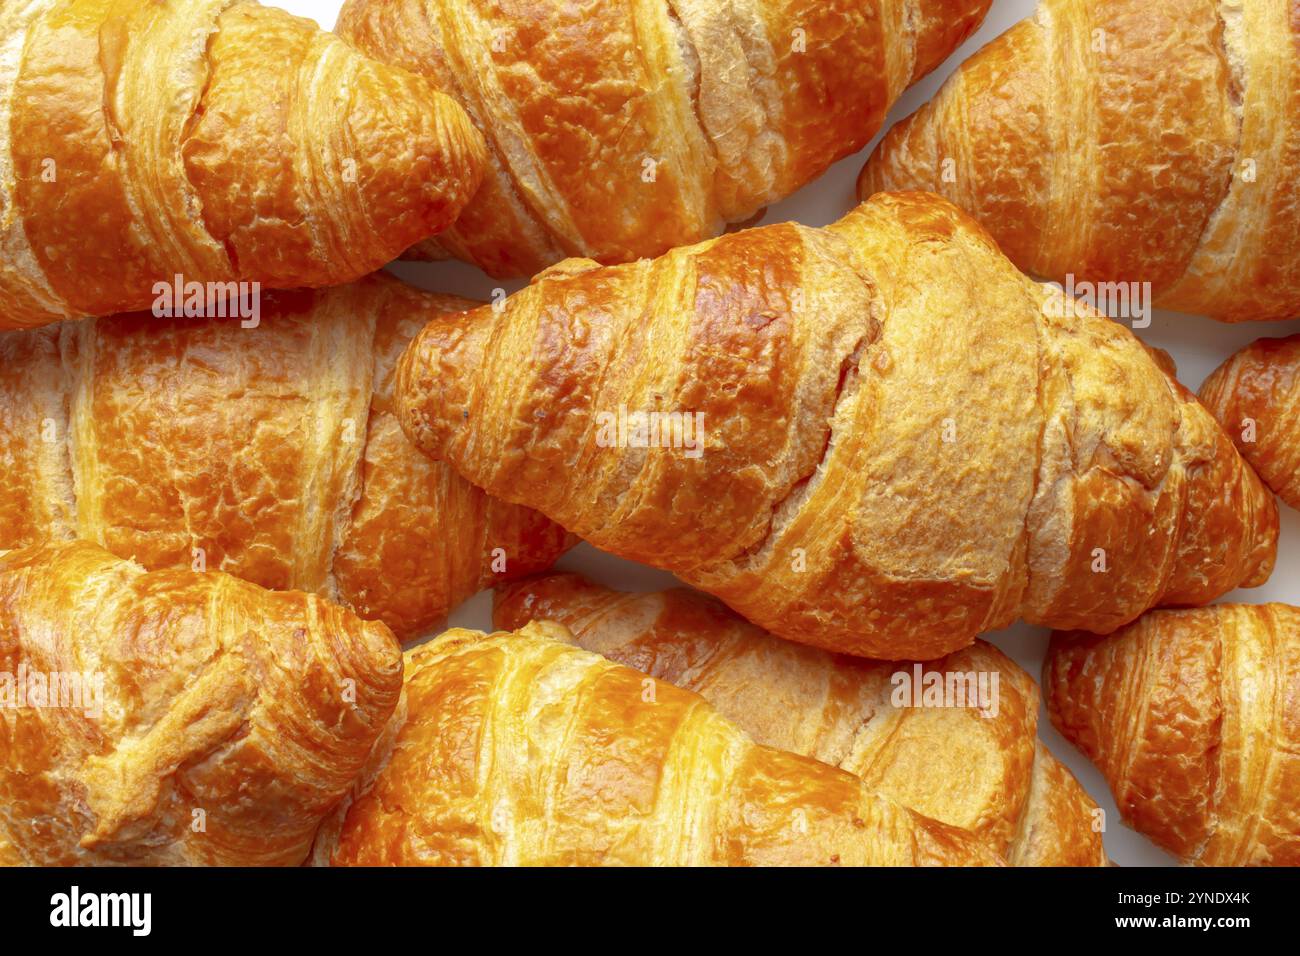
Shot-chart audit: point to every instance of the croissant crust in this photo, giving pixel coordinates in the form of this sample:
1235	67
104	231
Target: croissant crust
1193	716
887	440
216	140
271	453
176	718
975	763
522	749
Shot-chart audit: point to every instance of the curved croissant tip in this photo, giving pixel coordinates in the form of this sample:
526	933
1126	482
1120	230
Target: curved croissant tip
515	603
418	159
373	651
512	603
942	26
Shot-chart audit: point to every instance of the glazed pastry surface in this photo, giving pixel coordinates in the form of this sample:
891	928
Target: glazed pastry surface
619	129
1127	141
522	749
272	453
199	720
976	764
1193	716
1255	395
887	440
218	140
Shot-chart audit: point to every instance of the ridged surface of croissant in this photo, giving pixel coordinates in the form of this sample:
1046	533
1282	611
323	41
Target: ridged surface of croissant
1127	141
522	749
1255	395
618	129
1193	716
272	450
982	771
902	446
230	720
214	139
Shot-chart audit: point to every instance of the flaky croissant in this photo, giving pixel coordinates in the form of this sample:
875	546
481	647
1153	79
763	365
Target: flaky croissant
1127	141
175	717
891	440
216	140
271	453
1193	716
623	128
982	770
1255	395
522	749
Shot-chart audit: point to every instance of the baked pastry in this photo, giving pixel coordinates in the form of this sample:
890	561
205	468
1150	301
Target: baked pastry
1193	717
175	717
147	142
878	437
621	129
973	760
1124	141
1255	395
522	749
271	453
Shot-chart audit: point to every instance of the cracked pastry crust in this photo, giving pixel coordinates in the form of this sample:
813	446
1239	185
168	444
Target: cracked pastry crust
1255	395
521	749
1127	141
905	443
984	772
618	129
232	719
1193	717
214	139
274	450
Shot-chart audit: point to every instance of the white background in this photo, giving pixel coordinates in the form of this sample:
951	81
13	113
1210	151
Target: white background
1197	344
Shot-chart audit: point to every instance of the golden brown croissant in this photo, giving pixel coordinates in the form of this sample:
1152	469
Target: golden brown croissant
1193	716
1127	141
216	140
522	749
621	129
889	443
271	453
982	770
175	717
1255	395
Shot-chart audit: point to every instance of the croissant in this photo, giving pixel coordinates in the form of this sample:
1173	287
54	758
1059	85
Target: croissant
521	749
1194	719
176	718
981	770
207	142
1091	160
620	129
271	453
1255	395
877	438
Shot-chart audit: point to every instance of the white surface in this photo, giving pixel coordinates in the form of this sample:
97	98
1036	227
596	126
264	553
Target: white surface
1197	344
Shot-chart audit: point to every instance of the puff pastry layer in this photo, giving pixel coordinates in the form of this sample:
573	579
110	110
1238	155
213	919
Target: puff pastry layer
1193	716
218	140
982	770
272	453
1255	395
618	129
229	720
522	749
1127	141
902	441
